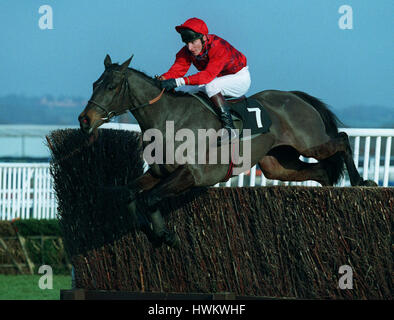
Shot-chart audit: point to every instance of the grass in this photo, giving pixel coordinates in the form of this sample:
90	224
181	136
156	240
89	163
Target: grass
25	287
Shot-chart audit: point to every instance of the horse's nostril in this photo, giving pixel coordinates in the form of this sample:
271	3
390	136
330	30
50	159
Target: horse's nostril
84	120
84	123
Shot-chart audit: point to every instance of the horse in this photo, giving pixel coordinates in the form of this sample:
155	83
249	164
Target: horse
301	125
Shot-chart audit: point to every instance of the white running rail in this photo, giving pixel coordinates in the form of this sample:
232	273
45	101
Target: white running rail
376	161
26	189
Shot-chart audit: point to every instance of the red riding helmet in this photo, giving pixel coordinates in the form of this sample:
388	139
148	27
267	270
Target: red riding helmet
195	24
192	29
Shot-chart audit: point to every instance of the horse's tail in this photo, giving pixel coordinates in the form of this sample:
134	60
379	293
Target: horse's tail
334	165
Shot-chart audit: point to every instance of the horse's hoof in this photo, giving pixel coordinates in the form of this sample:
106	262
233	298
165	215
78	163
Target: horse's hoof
156	243
368	183
154	239
172	240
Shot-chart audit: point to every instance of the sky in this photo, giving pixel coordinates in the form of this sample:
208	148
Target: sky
289	44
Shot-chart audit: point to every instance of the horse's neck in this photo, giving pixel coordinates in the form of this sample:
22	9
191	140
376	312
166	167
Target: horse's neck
141	92
168	108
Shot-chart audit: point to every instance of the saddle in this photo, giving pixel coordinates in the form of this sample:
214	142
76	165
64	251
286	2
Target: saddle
247	113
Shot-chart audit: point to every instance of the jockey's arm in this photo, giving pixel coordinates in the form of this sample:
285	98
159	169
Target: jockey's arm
218	57
180	67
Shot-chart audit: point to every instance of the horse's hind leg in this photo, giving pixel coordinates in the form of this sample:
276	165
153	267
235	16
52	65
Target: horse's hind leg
282	163
340	144
354	176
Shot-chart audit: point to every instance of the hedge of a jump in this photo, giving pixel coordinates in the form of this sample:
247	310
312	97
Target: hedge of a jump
252	241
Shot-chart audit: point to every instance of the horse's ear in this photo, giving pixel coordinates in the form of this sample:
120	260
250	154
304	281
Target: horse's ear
125	64
107	61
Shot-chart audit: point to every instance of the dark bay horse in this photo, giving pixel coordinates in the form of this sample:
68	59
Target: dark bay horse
301	125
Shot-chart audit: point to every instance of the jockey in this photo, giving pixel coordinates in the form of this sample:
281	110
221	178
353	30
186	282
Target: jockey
222	69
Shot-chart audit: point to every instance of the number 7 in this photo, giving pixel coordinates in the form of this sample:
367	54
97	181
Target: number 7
258	116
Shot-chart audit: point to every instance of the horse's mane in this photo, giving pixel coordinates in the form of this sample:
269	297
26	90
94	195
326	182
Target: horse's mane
144	75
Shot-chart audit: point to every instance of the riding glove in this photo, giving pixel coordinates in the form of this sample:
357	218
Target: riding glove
168	84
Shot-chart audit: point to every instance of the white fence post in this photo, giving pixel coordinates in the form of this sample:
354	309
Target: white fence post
366	158
387	162
377	159
252	176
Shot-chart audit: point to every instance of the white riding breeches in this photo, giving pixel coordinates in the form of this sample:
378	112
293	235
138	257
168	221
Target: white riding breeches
232	85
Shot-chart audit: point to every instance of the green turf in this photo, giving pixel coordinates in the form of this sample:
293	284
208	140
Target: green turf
25	287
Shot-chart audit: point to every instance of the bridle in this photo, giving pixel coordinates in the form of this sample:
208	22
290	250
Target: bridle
110	114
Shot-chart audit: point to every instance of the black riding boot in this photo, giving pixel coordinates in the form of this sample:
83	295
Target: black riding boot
225	117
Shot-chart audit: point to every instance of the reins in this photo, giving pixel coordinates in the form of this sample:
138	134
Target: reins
154	100
131	108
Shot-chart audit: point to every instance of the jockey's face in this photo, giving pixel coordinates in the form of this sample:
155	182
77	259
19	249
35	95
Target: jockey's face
195	47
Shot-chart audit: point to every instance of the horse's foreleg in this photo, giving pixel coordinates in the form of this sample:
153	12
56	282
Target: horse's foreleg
143	183
178	181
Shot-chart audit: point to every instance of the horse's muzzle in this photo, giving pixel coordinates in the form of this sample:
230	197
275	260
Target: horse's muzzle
84	124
